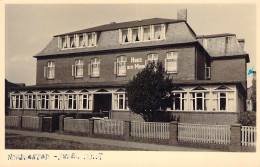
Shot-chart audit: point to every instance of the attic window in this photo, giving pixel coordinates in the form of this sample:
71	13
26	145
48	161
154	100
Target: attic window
142	34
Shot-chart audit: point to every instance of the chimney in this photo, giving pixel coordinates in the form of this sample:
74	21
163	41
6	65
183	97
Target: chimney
182	14
242	43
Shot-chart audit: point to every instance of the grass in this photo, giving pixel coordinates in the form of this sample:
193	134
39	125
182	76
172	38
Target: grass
42	143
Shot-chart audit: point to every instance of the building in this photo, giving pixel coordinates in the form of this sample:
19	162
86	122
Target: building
251	94
85	71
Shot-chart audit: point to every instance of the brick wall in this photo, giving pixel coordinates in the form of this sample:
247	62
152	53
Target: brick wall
63	65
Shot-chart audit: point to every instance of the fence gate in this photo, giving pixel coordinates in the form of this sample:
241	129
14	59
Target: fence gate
47	124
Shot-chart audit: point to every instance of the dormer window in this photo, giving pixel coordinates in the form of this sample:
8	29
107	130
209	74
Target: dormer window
142	34
77	40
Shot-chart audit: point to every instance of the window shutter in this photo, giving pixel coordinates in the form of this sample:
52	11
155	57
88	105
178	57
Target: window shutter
130	34
115	67
59	42
139	33
89	69
95	38
73	70
163	31
120	36
45	72
84	39
151	32
166	68
86	44
142	33
68	42
77	40
146	62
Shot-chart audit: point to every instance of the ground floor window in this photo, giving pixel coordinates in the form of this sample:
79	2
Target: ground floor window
120	101
180	102
43	101
85	101
30	101
56	101
17	101
223	101
70	101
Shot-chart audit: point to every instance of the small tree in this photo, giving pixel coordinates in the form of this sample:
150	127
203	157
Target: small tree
149	93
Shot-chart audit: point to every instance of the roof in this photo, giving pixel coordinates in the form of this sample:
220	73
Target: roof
117	84
215	35
114	26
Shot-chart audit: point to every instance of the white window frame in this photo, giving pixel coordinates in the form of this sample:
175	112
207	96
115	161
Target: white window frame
203	98
120	61
116	101
152	57
182	97
75	68
46	101
74	98
14	99
94	63
53	100
138	34
29	98
171	56
49	69
88	99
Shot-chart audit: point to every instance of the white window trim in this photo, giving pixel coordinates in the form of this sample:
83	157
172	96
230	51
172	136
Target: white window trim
116	66
50	66
52	100
40	100
116	100
19	101
66	98
26	101
89	100
175	58
75	68
96	62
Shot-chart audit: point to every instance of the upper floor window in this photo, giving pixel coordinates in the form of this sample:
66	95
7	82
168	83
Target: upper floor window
207	71
94	67
147	33
77	40
77	68
153	57
143	33
120	66
171	62
49	71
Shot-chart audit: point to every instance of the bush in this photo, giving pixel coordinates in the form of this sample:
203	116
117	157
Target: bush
247	118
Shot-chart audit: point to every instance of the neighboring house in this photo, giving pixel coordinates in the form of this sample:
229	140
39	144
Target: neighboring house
8	87
251	94
86	71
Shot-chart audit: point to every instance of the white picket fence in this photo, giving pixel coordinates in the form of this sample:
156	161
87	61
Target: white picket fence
217	134
248	136
76	125
153	130
29	122
111	127
12	121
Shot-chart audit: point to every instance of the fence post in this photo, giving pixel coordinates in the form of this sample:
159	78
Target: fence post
61	123
127	129
20	119
235	137
40	123
91	126
173	130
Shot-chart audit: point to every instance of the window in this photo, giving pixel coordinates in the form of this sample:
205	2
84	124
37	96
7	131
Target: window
199	101
142	34
180	102
207	72
70	101
171	62
120	66
146	33
136	34
17	101
77	40
49	71
152	58
43	101
85	101
94	67
77	69
56	101
120	102
223	101
30	101
157	32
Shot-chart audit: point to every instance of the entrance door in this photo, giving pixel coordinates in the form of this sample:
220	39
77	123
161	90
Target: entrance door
102	102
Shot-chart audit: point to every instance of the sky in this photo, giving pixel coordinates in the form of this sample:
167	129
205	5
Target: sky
29	27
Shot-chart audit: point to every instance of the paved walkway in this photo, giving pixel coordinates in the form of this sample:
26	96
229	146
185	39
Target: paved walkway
110	142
